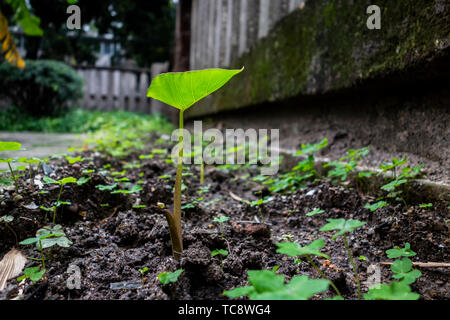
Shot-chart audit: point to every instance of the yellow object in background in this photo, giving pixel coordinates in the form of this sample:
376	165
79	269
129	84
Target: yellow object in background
9	50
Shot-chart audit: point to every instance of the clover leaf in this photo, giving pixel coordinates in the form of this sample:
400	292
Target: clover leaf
293	249
343	226
398	252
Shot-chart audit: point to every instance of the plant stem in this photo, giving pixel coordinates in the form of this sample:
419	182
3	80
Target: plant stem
57	201
353	265
322	274
14	177
42	254
174	219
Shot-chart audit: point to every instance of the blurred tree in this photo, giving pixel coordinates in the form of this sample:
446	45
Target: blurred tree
143	28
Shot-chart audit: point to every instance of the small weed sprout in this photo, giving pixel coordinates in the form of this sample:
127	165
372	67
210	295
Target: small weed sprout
346	164
402	272
375	206
58	203
221	220
143	271
169	277
267	285
47	237
221	253
400	175
301	173
11	146
343	227
314	212
294	250
181	90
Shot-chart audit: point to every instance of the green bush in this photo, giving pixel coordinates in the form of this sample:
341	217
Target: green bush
81	121
43	88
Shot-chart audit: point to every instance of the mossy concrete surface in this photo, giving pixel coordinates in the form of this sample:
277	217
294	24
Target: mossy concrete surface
326	46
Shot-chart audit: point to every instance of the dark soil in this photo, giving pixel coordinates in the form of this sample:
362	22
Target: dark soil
110	243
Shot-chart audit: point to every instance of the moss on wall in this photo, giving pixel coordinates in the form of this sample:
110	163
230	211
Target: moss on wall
327	46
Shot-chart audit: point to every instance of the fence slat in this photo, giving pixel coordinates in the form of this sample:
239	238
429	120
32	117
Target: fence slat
118	88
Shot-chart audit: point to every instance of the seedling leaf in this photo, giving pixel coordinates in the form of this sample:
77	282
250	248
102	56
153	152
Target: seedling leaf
182	89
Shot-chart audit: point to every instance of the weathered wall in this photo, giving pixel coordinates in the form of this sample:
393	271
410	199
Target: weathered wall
320	47
222	30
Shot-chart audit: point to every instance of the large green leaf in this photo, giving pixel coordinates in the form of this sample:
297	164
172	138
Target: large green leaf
182	89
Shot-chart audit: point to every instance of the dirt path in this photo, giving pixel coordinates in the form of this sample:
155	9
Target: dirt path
39	145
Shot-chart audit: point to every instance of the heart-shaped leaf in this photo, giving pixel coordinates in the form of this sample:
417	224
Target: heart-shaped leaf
394	291
402	271
182	89
343	226
400	252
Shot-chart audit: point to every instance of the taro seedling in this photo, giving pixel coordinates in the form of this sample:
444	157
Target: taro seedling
58	203
267	285
343	227
294	250
169	277
221	253
425	205
181	90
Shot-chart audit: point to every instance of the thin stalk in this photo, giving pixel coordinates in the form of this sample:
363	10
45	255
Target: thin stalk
14	177
353	265
221	262
174	219
57	201
42	254
322	274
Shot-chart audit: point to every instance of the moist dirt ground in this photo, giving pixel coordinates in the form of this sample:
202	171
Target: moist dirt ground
113	237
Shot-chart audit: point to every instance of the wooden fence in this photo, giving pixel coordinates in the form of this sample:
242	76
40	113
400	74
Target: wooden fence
115	88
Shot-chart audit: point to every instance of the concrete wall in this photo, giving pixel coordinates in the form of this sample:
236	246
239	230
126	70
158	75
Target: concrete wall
222	30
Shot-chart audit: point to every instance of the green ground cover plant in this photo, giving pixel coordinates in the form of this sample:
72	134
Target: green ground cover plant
181	90
267	285
294	250
343	227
